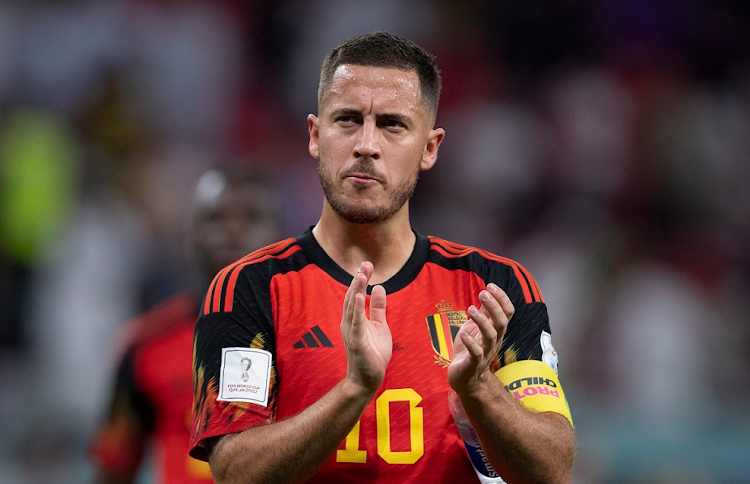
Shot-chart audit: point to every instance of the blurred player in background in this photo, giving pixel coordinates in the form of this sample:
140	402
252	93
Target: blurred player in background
234	213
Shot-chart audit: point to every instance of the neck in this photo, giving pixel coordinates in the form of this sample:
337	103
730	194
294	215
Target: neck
388	245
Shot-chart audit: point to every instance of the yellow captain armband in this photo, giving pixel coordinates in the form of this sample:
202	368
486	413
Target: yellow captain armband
536	387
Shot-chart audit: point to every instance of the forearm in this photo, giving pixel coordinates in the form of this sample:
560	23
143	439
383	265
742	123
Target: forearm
524	447
291	450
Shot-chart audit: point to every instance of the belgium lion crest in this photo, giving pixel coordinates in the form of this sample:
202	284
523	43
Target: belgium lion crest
443	326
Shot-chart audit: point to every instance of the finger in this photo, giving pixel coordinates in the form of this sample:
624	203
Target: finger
362	277
349	294
502	299
472	345
505	311
366	268
349	299
492	310
495	311
358	312
484	323
358	284
356	309
359	292
377	304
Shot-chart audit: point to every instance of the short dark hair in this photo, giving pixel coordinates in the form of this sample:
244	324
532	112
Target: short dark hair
383	49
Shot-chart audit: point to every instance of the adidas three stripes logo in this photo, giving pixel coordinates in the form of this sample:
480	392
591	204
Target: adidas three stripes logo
314	338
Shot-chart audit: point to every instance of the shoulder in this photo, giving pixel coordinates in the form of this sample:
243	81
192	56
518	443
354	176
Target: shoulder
271	259
441	248
273	256
252	274
490	266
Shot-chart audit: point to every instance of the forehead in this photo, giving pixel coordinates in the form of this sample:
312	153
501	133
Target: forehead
377	88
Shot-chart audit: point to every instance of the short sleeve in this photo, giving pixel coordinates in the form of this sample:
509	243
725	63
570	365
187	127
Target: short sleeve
529	327
244	322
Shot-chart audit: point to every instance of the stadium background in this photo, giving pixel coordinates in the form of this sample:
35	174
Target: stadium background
604	144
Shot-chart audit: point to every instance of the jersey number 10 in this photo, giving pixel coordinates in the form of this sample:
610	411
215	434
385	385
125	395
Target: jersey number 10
351	451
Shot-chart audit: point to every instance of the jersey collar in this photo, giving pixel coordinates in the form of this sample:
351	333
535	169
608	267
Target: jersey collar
400	280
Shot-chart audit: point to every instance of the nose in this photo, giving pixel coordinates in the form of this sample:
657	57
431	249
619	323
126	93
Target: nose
368	144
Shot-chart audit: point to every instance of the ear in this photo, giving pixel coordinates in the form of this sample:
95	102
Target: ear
429	155
312	128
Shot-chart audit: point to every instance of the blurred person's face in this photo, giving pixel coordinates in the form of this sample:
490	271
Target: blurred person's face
372	137
232	221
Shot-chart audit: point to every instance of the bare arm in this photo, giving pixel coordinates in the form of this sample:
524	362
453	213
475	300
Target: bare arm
523	447
292	450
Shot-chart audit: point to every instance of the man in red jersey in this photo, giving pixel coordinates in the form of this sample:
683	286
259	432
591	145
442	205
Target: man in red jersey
292	386
233	213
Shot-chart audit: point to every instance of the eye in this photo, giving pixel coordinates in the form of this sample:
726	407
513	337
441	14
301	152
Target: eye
392	123
346	119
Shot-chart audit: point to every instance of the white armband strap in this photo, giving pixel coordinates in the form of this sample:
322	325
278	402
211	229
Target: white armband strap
536	387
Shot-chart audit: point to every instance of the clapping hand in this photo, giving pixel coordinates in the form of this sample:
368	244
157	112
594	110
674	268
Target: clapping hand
367	340
479	339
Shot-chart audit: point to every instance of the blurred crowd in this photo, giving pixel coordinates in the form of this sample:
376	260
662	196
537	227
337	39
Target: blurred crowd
603	144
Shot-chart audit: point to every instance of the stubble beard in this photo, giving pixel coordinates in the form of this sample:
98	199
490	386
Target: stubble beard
366	215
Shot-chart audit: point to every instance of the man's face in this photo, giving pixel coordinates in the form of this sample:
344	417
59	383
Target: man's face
231	222
372	138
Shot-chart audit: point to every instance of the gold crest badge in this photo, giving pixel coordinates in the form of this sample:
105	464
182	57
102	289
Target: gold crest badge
443	327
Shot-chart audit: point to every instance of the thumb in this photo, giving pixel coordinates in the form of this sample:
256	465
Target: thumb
377	304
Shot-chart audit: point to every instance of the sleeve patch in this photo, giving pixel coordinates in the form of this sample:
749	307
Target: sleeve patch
244	375
549	354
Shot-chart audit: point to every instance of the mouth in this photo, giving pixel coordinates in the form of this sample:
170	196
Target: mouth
360	177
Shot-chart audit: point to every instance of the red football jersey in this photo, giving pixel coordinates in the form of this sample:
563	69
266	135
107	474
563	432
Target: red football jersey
287	299
153	396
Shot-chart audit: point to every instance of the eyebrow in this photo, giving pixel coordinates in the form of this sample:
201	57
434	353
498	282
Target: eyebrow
395	116
353	112
345	112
